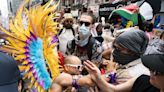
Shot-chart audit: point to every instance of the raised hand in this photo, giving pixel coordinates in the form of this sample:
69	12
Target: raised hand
93	70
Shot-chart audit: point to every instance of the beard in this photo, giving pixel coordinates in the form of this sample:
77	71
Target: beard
68	26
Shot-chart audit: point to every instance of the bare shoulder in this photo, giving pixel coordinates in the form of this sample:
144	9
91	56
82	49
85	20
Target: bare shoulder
63	79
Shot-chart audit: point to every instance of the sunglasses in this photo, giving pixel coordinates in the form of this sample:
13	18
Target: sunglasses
157	73
79	67
85	23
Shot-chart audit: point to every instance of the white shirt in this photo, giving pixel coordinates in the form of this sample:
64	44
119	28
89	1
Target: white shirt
64	37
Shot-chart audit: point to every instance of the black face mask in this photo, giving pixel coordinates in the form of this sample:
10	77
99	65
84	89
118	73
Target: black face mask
124	58
99	33
67	26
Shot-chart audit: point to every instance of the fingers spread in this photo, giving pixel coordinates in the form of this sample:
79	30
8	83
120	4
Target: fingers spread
88	66
89	62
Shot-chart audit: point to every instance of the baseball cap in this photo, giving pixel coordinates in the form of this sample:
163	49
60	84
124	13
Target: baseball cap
154	62
67	16
9	74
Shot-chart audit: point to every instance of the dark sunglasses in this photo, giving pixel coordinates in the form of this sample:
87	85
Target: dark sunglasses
85	23
157	73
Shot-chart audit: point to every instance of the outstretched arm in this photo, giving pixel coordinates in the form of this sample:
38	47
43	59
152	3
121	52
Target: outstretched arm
65	80
56	88
102	84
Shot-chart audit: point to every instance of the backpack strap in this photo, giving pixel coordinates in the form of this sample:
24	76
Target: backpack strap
60	32
90	46
73	31
73	45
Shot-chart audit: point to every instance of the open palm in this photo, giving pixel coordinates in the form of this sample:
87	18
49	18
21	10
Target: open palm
93	70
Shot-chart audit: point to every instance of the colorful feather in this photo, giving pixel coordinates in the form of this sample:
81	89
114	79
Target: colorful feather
33	46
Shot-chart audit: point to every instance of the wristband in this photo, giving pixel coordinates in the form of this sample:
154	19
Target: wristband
74	83
112	77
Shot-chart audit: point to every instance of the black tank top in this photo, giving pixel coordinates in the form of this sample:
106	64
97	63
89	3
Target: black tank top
142	84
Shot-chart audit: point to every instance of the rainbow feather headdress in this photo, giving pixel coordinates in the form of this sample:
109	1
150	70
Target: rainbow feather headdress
33	45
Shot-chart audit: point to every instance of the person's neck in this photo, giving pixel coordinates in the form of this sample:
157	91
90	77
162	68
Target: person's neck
69	73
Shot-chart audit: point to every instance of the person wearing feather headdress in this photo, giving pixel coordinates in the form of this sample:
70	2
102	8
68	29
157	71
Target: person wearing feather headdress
33	46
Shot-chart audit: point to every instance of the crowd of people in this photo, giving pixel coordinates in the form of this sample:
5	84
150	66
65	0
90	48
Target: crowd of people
100	57
109	60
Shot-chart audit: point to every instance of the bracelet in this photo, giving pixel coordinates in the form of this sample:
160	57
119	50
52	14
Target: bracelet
74	83
112	77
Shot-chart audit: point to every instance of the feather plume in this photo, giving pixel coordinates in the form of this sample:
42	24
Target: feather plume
34	46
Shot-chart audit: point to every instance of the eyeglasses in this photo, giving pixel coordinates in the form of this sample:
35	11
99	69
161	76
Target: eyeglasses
79	67
85	23
156	73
